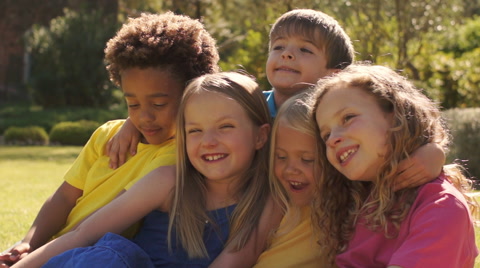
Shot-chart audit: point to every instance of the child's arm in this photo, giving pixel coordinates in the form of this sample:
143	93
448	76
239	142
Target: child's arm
424	165
50	219
146	195
248	255
126	139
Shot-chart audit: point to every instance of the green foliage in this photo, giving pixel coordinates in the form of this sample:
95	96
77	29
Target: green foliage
465	127
26	135
67	60
450	65
247	56
22	115
73	133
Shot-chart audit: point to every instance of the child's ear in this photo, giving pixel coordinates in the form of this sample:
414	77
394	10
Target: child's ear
262	136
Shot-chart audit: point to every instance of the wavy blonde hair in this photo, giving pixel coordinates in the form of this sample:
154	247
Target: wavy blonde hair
188	211
416	121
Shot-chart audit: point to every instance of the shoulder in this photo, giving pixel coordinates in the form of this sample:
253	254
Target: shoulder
108	129
441	197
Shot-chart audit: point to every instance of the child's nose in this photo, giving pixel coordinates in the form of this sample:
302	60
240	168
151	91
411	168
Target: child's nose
292	167
209	139
335	138
147	115
287	54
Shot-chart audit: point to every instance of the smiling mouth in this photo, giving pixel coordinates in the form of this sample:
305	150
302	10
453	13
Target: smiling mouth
297	186
345	155
285	69
214	157
150	132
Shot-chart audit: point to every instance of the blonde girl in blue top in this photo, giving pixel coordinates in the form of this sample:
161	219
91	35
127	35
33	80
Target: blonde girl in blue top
218	192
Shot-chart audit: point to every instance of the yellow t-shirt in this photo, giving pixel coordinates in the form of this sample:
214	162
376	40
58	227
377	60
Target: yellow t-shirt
100	184
295	249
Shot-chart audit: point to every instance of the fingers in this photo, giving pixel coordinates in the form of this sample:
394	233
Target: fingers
410	175
108	146
133	144
114	157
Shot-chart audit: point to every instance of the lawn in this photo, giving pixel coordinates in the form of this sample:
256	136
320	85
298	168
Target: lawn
28	176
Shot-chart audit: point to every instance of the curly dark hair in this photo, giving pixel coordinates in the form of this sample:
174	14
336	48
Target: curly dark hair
176	42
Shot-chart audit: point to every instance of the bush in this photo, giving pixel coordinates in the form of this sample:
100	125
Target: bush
73	133
33	135
67	67
465	127
24	115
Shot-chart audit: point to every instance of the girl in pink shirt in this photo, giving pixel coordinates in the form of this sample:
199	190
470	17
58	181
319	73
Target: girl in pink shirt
369	118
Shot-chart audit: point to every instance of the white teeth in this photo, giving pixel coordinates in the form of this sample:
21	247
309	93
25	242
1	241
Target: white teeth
295	183
346	154
213	157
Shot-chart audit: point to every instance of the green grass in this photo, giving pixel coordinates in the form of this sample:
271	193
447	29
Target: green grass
28	176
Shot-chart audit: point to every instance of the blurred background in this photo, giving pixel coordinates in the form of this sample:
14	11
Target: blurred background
52	69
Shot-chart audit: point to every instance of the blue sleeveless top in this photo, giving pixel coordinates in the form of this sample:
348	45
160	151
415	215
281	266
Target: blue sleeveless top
153	235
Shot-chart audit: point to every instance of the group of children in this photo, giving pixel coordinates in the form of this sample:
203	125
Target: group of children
209	187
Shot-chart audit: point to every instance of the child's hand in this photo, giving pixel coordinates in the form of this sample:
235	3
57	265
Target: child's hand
424	165
126	139
14	254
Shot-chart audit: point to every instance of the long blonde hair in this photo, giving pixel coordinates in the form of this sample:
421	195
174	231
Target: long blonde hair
188	211
417	121
295	113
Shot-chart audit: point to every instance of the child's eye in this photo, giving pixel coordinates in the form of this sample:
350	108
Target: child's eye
159	104
307	160
325	136
347	117
277	47
280	157
226	126
305	50
133	105
193	130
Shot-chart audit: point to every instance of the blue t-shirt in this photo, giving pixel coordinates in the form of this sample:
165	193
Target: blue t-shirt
269	95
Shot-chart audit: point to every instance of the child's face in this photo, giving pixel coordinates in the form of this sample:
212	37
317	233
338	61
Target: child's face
294	60
152	98
221	140
355	131
294	162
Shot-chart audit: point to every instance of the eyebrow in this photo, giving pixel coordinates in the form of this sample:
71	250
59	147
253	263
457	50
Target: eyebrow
155	95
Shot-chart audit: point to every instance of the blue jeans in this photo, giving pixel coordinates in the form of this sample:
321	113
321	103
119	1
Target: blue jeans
110	251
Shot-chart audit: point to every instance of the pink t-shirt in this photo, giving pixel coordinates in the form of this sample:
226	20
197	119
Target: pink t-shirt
437	232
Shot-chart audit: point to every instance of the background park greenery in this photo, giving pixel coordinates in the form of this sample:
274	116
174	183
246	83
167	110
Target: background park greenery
436	43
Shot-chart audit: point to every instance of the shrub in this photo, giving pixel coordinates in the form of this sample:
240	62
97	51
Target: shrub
73	133
465	127
67	66
32	135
